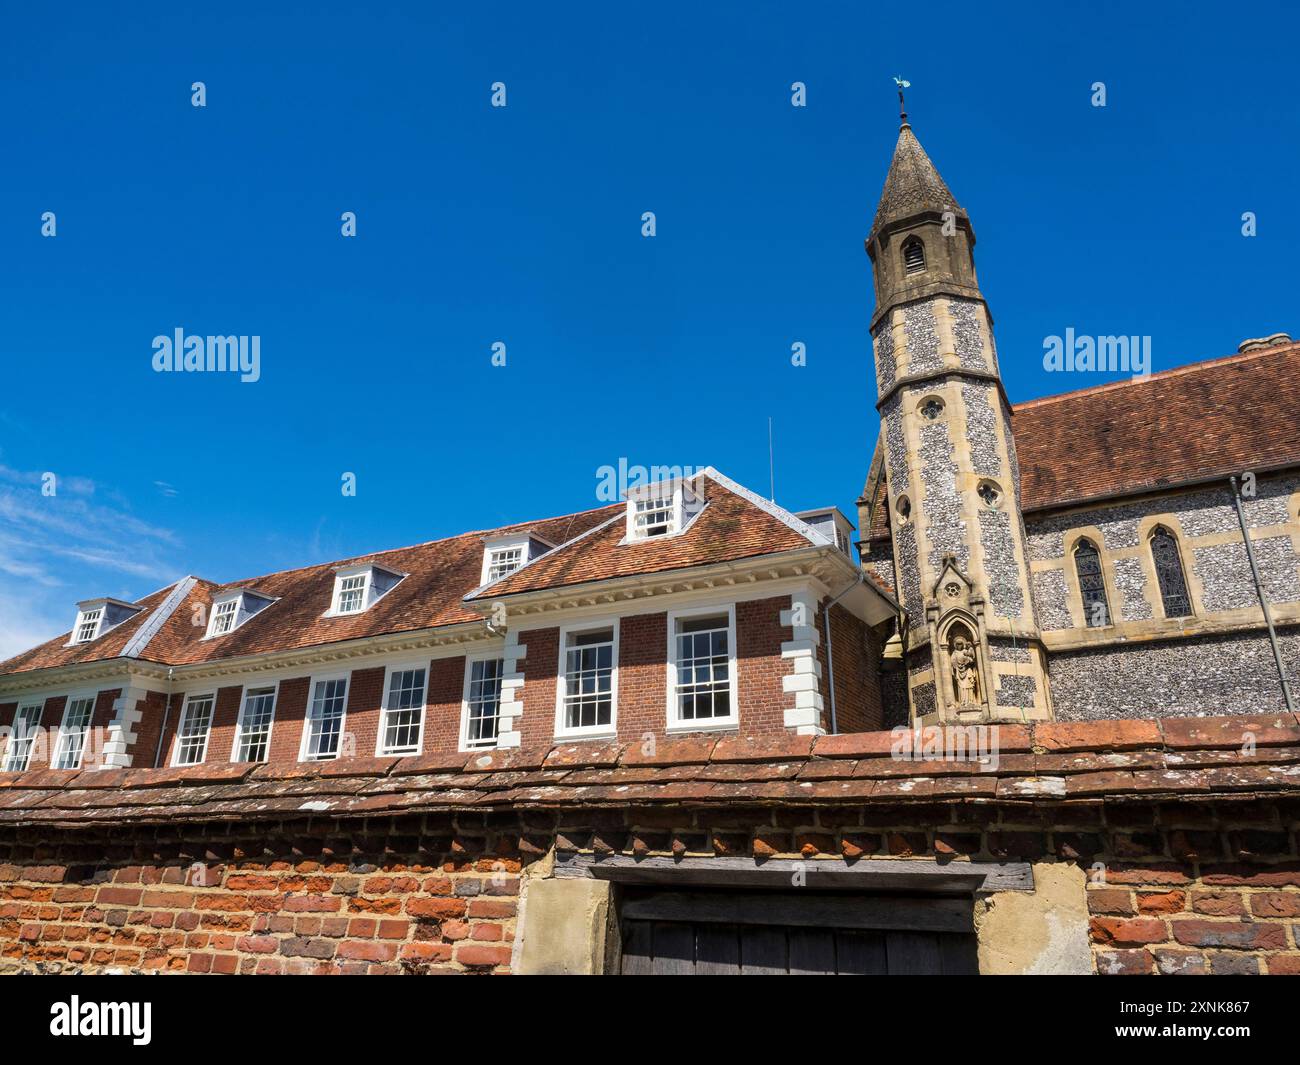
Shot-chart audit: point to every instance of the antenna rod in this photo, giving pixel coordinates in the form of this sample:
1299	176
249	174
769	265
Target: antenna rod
771	461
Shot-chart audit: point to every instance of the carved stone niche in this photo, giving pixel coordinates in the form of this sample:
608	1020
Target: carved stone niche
959	646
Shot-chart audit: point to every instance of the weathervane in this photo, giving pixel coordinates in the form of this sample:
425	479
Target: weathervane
902	110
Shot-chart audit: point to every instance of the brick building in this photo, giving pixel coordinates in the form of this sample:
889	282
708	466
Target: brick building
655	736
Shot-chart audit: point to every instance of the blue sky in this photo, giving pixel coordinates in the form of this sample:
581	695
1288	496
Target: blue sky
523	225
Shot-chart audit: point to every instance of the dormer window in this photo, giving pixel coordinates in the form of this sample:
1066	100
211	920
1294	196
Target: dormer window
96	616
913	256
662	509
502	555
88	624
232	609
358	588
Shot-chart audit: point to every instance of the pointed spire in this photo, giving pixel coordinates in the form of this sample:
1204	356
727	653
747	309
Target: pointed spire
913	186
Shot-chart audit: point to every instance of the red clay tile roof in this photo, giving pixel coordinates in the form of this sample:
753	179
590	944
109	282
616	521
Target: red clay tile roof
440	575
1196	422
109	645
1174	758
729	528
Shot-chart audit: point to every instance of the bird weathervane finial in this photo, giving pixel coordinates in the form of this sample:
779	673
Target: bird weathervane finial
902	109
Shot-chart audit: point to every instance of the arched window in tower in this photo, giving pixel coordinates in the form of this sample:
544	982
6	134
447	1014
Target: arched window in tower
1169	572
1092	585
913	256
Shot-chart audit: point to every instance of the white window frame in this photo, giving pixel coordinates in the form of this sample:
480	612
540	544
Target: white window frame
305	741
180	727
90	696
496	560
34	703
84	619
366	578
483	656
577	628
716	724
242	720
402	667
217	604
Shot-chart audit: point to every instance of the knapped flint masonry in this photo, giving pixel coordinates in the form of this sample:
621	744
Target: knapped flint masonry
655	736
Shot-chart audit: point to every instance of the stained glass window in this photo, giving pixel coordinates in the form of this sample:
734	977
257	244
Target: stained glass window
1092	586
1169	572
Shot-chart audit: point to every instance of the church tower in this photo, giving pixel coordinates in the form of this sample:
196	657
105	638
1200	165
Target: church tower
971	644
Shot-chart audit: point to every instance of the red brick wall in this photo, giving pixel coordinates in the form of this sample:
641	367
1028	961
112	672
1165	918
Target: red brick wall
857	672
1175	887
290	711
147	730
365	696
403	896
759	665
542	646
225	716
442	704
642	676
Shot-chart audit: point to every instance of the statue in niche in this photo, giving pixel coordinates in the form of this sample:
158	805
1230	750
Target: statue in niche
965	670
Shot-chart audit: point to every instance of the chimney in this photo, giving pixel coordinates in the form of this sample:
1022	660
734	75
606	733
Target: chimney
1256	343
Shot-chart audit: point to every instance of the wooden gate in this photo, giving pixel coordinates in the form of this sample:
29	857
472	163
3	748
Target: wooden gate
764	933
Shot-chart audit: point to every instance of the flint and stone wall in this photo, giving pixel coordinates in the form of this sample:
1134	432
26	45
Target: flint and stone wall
1217	660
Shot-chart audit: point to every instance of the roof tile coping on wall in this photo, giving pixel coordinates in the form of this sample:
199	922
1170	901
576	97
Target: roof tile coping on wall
1122	760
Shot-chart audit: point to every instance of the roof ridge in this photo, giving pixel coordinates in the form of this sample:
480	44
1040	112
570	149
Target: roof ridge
770	507
158	617
1174	371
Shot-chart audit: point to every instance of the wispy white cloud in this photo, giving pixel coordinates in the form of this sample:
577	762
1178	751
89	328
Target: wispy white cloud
81	486
61	547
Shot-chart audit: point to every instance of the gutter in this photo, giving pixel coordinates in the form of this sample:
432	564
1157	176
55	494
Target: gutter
830	648
1263	598
167	712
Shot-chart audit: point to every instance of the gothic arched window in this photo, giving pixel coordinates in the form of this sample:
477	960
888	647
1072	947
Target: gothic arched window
1092	586
913	256
1169	572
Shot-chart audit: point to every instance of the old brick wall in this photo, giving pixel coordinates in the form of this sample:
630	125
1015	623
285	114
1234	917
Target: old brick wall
759	665
1174	887
856	651
442	704
412	895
